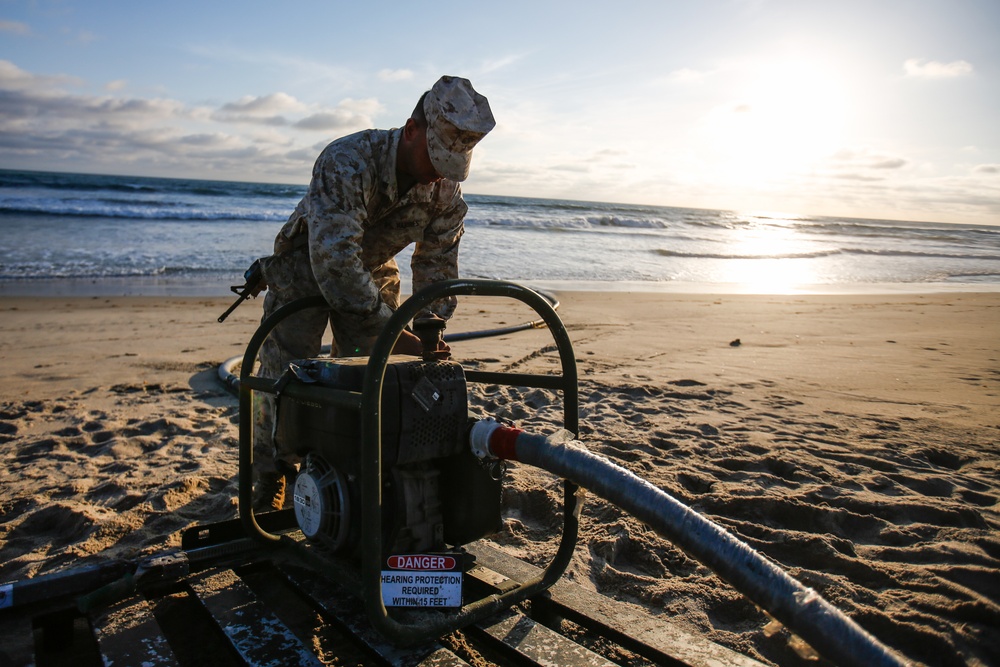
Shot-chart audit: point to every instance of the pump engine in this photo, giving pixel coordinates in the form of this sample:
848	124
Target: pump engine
435	492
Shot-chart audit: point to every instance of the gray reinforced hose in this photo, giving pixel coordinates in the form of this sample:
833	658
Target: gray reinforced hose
801	609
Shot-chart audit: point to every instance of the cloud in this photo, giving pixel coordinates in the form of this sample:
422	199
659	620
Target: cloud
865	159
294	69
571	167
44	111
497	64
348	115
303	155
326	120
858	177
687	75
261	110
270	110
393	75
85	37
13	77
15	28
43	121
212	140
888	163
917	68
987	169
264	105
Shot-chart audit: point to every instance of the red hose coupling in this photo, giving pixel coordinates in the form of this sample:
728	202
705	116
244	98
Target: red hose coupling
491	440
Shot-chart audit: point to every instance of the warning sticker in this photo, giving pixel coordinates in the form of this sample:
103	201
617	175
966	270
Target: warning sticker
422	580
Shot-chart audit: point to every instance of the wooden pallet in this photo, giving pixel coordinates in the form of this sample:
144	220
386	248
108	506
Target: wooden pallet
280	610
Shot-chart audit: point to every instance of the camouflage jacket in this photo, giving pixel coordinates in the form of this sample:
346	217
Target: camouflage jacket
357	222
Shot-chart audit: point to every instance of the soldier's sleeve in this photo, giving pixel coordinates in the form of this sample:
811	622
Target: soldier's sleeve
336	226
435	257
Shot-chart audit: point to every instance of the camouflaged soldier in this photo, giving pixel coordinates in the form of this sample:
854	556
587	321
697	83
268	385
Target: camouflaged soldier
372	194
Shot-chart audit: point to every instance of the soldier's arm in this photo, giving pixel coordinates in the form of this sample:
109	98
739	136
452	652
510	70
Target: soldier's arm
435	257
338	212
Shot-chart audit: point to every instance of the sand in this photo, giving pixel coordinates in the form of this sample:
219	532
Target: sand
854	440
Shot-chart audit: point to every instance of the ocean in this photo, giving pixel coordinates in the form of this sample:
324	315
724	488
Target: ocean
101	235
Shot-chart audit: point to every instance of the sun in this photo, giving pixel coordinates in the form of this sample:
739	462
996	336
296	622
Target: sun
785	116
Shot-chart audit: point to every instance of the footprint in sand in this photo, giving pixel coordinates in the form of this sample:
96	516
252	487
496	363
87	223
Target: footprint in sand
8	430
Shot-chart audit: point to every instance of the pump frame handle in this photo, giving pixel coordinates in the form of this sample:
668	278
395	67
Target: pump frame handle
370	406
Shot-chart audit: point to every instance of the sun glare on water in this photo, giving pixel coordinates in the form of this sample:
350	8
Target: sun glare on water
770	258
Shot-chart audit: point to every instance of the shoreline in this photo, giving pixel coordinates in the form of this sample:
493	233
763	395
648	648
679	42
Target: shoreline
200	287
852	439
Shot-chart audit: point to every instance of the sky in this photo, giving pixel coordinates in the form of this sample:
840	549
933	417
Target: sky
861	108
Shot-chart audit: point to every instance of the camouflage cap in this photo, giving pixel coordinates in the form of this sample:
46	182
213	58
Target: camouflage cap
457	118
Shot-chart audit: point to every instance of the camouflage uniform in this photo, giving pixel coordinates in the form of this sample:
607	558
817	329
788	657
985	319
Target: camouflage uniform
340	242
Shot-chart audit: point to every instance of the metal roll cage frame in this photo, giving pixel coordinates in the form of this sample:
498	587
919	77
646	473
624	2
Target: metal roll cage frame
368	402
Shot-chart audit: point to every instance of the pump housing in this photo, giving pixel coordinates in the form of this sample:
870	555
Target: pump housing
436	493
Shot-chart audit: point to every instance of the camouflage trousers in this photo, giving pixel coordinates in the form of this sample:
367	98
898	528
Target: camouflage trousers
300	336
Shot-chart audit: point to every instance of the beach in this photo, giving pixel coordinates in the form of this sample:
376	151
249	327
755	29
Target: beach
854	439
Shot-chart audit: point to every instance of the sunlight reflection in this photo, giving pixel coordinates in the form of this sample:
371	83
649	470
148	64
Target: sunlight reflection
770	257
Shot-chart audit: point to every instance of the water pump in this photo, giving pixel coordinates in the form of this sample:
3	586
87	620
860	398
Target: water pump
387	469
435	493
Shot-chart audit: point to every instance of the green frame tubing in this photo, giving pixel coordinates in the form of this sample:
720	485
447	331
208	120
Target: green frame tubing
369	402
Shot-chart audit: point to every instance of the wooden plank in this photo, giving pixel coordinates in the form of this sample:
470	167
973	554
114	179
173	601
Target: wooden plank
257	635
127	634
336	602
442	658
632	627
538	643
